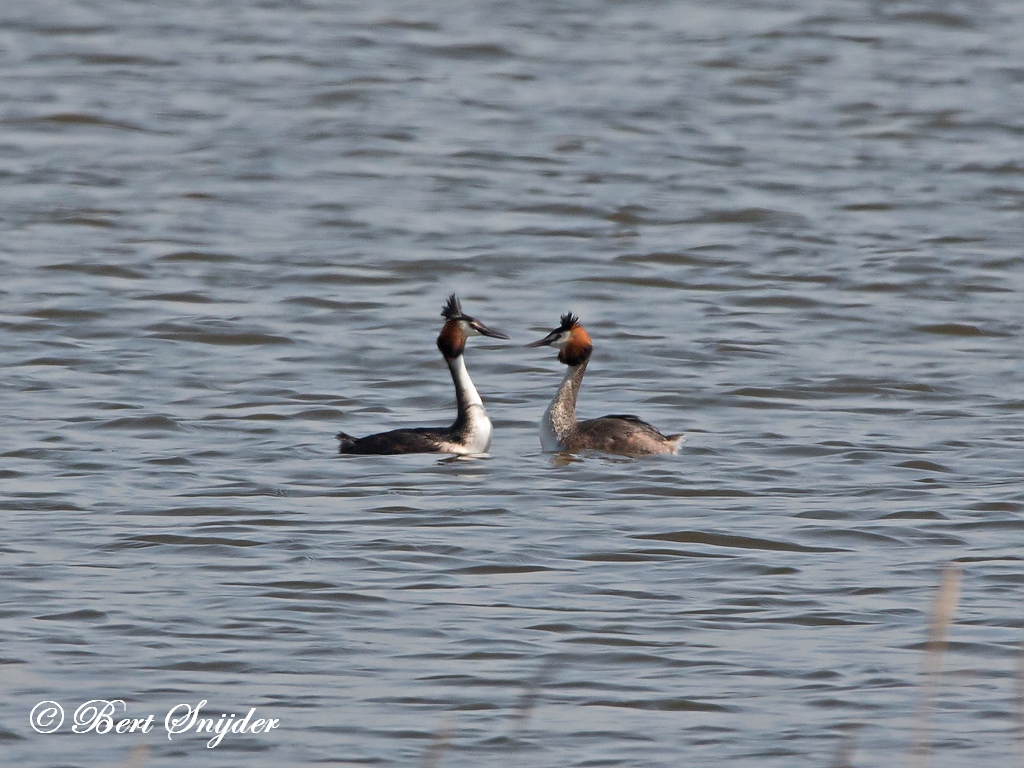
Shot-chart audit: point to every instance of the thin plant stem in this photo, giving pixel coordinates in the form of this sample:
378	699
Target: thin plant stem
942	617
1020	707
439	744
136	758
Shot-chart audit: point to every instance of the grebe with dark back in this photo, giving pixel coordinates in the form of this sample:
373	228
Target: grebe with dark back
471	433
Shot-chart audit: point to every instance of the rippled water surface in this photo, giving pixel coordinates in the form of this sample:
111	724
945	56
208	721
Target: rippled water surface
793	230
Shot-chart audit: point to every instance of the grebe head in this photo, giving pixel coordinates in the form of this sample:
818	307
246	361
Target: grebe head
570	339
458	327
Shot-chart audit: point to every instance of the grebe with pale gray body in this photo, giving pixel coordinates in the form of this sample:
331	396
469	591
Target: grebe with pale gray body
621	434
471	433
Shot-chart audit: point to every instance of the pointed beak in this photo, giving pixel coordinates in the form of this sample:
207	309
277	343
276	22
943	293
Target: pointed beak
547	341
483	330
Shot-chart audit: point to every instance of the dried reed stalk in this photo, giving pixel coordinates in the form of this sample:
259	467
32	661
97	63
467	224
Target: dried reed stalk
1020	707
942	617
136	758
531	693
847	748
527	703
439	744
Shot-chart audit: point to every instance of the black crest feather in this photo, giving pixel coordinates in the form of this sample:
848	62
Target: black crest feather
453	309
569	321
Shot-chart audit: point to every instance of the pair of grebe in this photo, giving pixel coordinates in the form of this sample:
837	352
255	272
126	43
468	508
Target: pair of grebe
560	431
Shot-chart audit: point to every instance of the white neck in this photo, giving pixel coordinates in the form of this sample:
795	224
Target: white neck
465	392
472	428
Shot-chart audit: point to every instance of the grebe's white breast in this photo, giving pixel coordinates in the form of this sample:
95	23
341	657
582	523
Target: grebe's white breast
476	434
478	439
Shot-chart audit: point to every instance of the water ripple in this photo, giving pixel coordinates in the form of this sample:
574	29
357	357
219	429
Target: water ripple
790	232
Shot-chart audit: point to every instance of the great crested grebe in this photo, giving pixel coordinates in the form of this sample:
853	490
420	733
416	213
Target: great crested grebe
471	432
560	431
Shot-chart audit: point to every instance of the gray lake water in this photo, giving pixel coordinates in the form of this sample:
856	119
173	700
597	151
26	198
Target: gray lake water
793	230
